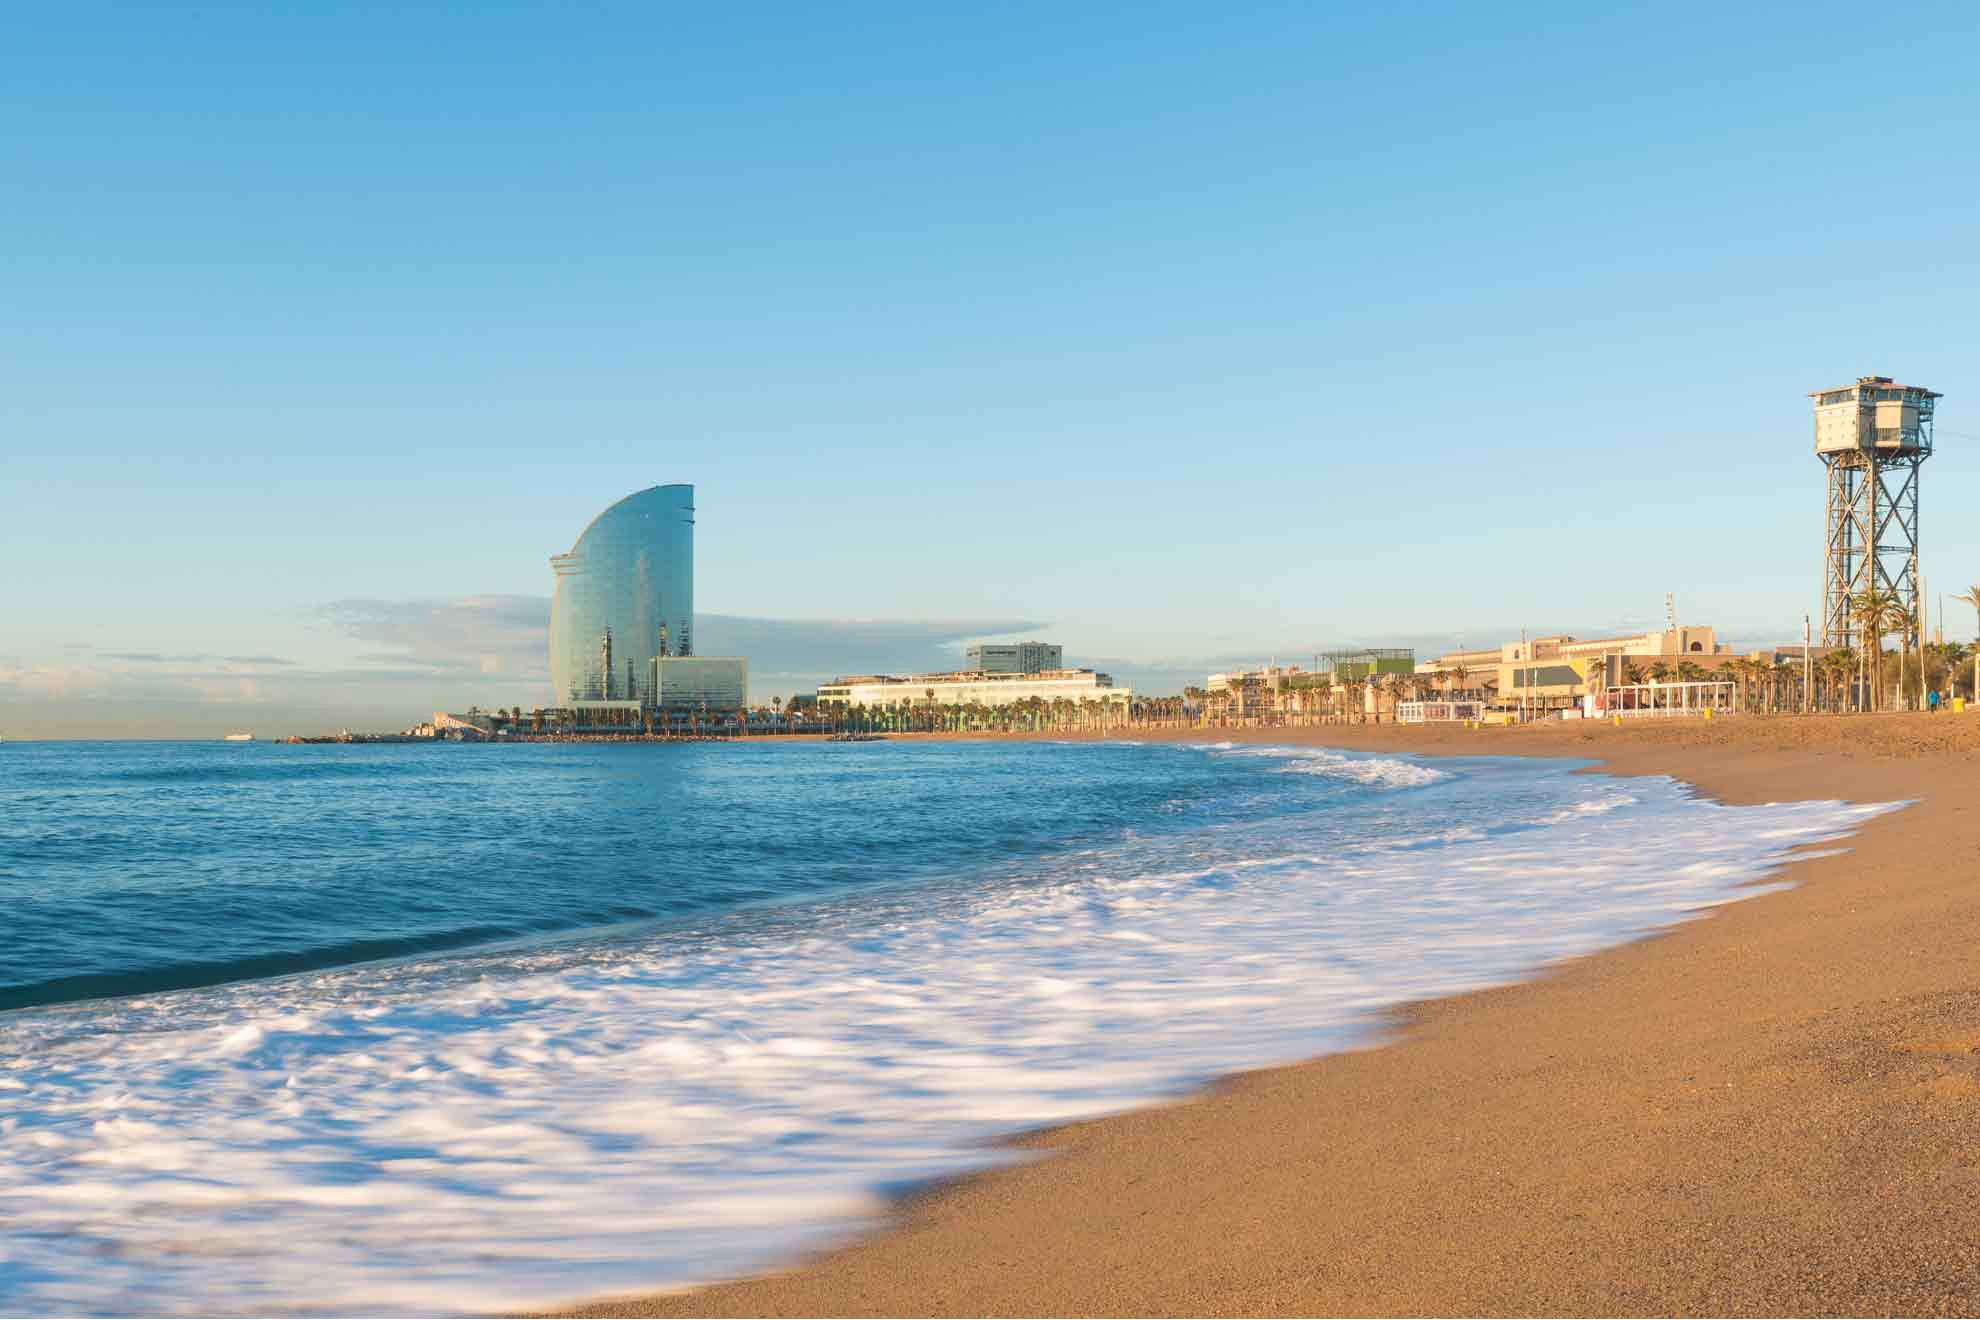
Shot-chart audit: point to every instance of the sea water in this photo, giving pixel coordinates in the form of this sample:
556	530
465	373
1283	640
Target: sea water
462	1028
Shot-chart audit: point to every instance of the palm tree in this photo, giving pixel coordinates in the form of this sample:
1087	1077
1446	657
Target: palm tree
1395	687
1744	673
1951	656
1754	678
1595	675
1687	672
1971	596
1839	665
1659	672
1876	614
1767	675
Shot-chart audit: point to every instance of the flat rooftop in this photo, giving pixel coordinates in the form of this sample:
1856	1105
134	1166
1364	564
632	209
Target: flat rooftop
966	676
1875	383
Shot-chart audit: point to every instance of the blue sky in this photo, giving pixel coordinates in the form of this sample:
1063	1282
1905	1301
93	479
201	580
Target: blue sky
1180	332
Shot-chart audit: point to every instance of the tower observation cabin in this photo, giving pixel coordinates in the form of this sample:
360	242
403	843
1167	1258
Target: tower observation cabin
1872	438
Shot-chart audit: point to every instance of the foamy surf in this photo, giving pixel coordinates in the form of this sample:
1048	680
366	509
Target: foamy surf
516	1128
1377	771
1390	775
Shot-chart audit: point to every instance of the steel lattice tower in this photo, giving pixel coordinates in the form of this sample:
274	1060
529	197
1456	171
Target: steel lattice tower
1872	437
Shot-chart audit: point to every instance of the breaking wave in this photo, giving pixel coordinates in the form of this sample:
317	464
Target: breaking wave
1376	771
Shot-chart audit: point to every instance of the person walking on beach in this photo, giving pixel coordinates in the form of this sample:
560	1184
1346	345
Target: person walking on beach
1932	701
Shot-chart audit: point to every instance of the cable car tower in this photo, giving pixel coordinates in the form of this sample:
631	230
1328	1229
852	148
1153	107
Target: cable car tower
1872	437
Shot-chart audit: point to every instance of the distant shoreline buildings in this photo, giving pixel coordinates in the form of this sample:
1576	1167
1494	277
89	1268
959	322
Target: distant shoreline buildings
622	655
996	676
1548	675
1674	670
973	687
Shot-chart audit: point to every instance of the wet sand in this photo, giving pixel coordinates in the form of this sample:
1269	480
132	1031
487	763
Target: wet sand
1774	1109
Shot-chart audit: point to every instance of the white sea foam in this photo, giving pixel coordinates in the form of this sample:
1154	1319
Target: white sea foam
1594	807
1374	771
519	1128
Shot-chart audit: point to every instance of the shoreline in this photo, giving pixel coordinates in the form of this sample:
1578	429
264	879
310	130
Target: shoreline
1768	1110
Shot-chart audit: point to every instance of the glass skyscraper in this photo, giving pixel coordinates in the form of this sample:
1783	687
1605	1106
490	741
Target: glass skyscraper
625	594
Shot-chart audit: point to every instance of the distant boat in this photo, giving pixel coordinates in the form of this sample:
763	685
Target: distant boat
238	737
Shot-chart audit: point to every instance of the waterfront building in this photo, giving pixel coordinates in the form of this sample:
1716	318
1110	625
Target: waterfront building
1014	657
1341	682
970	687
1438	712
624	598
688	684
608	716
1242	693
1357	665
1562	672
474	722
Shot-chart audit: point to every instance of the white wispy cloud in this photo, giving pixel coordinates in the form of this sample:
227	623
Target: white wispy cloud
505	636
157	658
421	656
509	636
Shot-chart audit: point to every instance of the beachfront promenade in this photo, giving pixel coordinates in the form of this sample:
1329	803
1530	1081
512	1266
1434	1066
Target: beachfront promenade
1769	1111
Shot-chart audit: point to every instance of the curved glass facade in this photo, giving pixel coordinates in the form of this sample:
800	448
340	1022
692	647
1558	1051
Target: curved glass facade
625	594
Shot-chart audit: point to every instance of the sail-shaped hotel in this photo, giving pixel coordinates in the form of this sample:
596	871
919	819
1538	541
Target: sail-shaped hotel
624	612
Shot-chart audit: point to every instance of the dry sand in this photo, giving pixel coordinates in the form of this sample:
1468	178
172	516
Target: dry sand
1772	1110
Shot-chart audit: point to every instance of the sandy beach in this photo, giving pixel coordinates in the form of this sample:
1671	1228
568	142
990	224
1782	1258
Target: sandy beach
1775	1109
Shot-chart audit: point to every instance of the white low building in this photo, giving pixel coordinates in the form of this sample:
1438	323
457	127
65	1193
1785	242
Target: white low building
879	691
